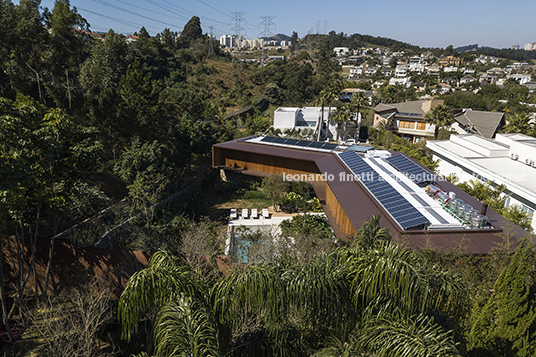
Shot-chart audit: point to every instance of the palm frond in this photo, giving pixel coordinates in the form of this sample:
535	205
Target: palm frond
161	282
257	289
318	290
419	336
185	328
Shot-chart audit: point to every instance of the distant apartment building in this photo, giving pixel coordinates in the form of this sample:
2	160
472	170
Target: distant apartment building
233	41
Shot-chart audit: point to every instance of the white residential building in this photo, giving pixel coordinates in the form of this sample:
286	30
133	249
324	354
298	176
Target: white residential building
401	70
417	67
356	71
508	160
448	69
521	78
304	118
400	81
341	51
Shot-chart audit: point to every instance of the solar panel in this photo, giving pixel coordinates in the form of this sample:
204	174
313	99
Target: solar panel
316	144
303	143
268	139
398	207
299	143
330	146
413	171
291	142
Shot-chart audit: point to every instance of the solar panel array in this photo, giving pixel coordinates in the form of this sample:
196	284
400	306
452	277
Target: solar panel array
398	207
299	143
413	171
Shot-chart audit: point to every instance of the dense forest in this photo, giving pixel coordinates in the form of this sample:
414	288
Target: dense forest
106	143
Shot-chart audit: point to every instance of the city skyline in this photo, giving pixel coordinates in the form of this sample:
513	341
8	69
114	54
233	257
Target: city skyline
426	24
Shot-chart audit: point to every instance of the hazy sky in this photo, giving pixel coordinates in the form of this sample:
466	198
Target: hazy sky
496	23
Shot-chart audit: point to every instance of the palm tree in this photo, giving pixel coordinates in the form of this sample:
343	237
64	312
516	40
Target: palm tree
372	299
172	298
359	101
519	123
343	116
326	95
439	116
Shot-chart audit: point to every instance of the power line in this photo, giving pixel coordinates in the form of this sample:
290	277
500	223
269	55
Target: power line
212	7
138	26
131	12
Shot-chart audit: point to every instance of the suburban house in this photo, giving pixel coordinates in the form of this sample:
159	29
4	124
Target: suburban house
400	81
348	93
486	59
386	71
520	78
484	124
449	61
467	79
408	117
509	160
488	78
421	209
401	70
434	70
356	71
288	118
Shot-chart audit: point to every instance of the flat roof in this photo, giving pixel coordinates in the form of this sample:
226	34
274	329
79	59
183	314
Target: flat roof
359	204
511	170
457	149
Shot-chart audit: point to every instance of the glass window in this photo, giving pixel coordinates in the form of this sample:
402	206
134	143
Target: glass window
406	124
421	126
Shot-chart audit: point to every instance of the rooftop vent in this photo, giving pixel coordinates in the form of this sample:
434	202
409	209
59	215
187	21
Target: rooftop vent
514	156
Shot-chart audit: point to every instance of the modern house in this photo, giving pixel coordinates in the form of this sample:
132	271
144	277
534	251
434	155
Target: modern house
508	160
288	118
481	123
408	117
420	209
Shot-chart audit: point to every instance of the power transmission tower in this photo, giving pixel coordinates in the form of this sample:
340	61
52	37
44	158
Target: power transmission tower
267	22
317	27
238	19
211	36
326	27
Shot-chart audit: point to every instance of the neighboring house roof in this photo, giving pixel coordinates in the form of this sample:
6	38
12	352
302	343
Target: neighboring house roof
468	78
483	123
414	110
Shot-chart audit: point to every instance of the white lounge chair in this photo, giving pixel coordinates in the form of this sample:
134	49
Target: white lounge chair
233	213
254	213
265	213
245	214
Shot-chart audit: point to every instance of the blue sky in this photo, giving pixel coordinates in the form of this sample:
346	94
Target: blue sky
432	23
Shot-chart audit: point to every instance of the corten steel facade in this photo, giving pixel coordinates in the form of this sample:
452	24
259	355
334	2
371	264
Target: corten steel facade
350	204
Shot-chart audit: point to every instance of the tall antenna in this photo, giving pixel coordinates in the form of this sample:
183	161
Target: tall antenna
325	27
238	18
211	36
267	22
